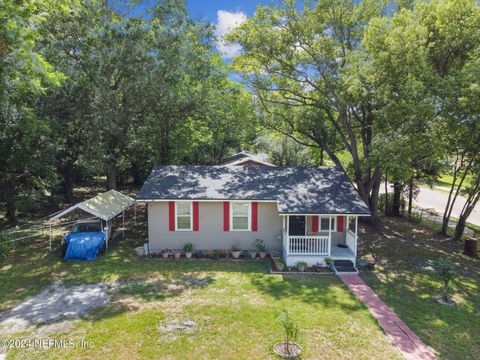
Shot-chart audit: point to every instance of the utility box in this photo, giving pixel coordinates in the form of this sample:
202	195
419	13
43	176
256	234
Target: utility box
470	247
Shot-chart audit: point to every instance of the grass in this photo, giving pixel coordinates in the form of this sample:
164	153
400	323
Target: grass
233	303
406	282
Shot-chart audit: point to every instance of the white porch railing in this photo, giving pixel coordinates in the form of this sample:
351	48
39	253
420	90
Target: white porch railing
308	245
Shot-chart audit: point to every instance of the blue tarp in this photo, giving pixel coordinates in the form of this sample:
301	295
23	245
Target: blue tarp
84	245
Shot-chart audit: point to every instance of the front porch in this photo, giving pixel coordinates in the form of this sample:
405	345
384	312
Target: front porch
324	236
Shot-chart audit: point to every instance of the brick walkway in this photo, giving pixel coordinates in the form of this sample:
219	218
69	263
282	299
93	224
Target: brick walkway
399	333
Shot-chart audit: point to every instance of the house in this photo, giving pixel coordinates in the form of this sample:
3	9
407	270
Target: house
306	213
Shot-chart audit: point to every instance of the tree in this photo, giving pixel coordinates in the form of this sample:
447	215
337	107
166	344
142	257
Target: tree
298	59
24	73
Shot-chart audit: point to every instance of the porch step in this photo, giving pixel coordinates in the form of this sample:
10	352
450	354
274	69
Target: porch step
344	267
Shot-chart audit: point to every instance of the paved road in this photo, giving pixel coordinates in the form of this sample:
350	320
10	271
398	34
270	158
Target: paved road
428	198
433	199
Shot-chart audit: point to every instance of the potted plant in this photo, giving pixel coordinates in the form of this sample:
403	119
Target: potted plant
288	349
329	262
222	253
301	265
236	251
274	255
261	247
279	265
176	254
188	250
165	253
252	254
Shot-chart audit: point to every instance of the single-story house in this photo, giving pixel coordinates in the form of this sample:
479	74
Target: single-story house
306	213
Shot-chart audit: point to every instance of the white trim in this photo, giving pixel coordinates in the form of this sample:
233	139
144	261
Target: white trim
249	219
191	217
293	214
330	217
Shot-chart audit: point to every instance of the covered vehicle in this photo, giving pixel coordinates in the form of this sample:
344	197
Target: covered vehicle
85	240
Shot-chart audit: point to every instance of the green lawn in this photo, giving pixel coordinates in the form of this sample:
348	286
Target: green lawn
234	307
406	283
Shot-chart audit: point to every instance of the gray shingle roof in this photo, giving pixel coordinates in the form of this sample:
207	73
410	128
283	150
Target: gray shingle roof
297	190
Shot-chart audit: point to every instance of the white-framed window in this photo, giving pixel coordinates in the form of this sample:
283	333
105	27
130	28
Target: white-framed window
327	223
240	215
183	215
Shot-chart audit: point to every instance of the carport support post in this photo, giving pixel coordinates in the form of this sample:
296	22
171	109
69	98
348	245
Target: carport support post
123	223
50	238
135	212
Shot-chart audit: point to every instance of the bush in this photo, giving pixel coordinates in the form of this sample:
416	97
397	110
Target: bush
188	247
446	269
5	247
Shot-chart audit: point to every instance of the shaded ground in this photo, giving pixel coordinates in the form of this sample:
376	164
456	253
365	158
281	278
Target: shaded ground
406	281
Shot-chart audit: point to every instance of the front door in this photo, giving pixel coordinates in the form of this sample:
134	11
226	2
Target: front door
296	225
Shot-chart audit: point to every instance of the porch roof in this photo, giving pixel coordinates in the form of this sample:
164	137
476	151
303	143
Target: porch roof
297	190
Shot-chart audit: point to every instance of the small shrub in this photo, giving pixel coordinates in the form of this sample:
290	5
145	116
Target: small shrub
289	327
328	261
5	247
446	269
188	247
222	253
207	252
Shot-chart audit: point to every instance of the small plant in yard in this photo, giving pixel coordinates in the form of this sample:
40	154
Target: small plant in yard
207	253
261	247
446	269
5	247
361	262
222	253
301	265
188	248
236	251
165	253
288	348
176	254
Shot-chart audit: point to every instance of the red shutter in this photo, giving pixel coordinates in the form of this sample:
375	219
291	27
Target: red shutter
226	216
315	224
254	216
171	215
195	216
340	224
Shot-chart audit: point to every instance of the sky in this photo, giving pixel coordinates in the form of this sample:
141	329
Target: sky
226	15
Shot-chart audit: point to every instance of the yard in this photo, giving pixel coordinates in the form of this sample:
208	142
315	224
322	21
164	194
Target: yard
405	280
233	306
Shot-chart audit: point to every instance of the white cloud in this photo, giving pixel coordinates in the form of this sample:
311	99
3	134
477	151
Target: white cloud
226	22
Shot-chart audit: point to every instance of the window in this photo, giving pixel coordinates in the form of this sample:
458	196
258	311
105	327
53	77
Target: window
183	215
325	221
240	218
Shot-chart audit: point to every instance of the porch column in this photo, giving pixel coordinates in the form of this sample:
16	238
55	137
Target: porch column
356	232
329	235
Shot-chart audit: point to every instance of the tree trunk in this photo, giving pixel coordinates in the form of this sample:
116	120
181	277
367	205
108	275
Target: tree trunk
397	198
68	182
321	157
10	202
112	175
460	228
410	197
386	210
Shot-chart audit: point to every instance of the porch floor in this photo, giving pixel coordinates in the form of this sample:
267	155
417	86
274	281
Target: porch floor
341	253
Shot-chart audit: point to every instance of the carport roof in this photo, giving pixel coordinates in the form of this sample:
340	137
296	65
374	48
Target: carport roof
104	206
